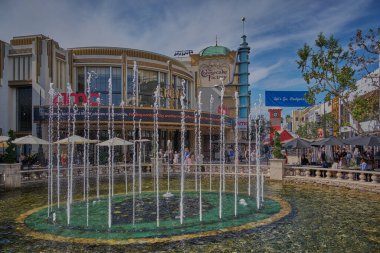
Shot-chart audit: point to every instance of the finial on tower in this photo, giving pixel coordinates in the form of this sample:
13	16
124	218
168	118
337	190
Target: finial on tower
243	20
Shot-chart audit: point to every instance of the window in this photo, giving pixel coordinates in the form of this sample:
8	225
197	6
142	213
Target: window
99	82
24	109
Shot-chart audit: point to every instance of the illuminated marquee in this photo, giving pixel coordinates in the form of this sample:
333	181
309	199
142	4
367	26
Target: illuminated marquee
78	98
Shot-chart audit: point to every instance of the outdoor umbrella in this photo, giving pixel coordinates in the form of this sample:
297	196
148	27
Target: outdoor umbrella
30	139
3	145
3	138
115	142
363	141
142	140
329	141
297	143
75	139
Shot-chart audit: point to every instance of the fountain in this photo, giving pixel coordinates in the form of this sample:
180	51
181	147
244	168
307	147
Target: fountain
182	214
210	144
189	220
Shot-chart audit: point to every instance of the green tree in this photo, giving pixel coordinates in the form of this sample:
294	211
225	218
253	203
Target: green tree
326	69
277	146
10	155
328	121
308	130
364	50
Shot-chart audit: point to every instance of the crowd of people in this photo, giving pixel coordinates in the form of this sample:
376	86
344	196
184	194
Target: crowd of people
343	158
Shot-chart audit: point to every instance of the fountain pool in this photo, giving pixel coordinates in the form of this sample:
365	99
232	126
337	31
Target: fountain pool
321	219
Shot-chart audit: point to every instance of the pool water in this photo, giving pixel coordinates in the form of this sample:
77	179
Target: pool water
322	219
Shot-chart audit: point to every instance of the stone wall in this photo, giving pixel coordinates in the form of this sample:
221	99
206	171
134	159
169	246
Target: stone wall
11	175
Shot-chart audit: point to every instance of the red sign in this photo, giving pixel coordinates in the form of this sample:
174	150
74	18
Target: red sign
320	133
224	110
80	98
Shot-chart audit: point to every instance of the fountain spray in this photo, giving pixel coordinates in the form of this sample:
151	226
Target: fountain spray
122	104
200	152
85	152
50	154
196	150
221	152
134	143
68	91
156	95
249	151
97	149
109	151
87	144
236	149
139	157
258	188
58	149
183	129
70	197
210	147
259	138
113	148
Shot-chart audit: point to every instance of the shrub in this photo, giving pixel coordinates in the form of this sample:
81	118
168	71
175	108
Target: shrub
277	146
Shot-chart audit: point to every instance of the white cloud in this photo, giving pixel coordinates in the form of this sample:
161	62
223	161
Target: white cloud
273	27
165	26
261	73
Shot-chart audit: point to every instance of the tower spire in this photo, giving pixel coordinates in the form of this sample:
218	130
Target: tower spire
243	20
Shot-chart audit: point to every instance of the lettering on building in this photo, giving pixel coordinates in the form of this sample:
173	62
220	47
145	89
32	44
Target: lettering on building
181	53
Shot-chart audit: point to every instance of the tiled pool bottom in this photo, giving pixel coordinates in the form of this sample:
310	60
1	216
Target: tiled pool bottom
144	229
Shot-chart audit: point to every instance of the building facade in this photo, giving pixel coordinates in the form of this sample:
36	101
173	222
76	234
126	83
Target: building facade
28	64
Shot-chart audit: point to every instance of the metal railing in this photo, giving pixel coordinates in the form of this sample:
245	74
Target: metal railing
41	173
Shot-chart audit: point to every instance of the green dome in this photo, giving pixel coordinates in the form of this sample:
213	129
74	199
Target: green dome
214	50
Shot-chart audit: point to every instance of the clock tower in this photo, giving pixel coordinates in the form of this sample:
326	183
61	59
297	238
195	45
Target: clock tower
275	118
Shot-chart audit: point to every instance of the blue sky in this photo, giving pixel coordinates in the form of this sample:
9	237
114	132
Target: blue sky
275	28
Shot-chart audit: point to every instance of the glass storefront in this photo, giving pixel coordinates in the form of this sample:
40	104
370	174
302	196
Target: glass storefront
99	82
147	84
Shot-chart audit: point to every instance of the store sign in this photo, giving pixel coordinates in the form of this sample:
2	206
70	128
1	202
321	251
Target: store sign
181	53
223	110
78	98
212	72
243	124
145	114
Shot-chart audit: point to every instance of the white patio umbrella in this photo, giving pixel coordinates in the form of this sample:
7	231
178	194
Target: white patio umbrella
115	142
142	140
30	139
75	139
3	138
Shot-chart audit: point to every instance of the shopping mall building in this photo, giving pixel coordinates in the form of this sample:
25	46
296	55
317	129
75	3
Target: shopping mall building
28	64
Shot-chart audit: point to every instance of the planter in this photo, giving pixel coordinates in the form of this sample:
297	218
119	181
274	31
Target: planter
276	168
11	174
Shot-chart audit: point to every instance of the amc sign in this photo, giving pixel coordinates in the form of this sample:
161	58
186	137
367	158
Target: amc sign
79	98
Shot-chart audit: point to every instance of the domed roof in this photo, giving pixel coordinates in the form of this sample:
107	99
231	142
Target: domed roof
214	50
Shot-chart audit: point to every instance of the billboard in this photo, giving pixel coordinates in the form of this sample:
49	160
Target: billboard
286	98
